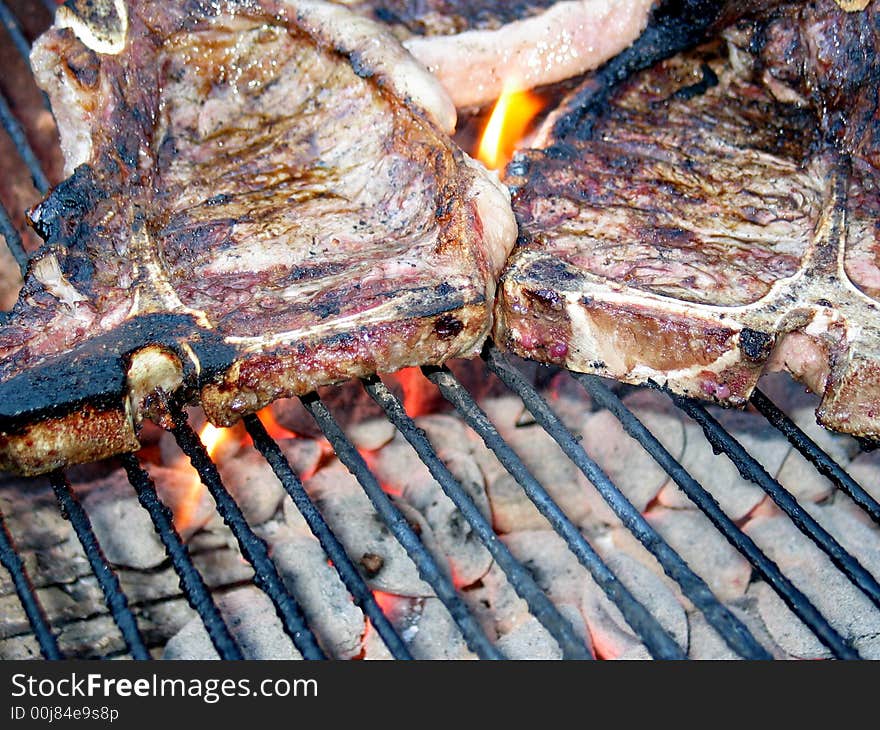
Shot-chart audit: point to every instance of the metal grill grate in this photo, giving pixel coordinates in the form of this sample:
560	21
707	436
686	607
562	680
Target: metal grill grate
646	626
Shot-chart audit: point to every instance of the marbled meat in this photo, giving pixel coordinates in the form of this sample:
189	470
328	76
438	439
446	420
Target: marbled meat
715	216
262	198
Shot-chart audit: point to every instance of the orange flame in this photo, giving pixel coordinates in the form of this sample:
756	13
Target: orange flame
216	440
510	118
212	439
184	514
274	429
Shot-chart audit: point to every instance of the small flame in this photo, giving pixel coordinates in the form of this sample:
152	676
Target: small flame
273	428
185	509
513	112
212	439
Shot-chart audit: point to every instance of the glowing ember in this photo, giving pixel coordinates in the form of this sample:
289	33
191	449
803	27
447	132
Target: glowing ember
369	458
386	601
513	112
419	393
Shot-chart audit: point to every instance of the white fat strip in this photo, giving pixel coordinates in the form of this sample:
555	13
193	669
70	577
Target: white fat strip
379	51
822	321
381	314
47	271
565	40
190	353
583	325
102	33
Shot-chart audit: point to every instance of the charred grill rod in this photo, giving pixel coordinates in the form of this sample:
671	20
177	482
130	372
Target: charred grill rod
19	41
752	470
191	581
253	549
520	579
657	640
793	598
27	595
16	133
429	571
343	565
816	456
731	629
12	28
13	240
427	566
116	600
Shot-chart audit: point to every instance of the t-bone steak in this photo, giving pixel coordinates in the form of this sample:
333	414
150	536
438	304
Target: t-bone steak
261	199
714	217
475	46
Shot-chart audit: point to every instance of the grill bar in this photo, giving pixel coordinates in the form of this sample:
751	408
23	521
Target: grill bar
815	455
657	640
18	40
428	569
191	581
733	631
253	549
116	600
16	133
27	595
349	574
22	45
13	240
750	469
520	579
793	598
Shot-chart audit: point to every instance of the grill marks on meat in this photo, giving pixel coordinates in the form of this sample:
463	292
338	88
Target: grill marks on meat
717	218
473	47
261	203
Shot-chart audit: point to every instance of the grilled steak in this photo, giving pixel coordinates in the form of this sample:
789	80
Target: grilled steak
715	217
474	45
261	200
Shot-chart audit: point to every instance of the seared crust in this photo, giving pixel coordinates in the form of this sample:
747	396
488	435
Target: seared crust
262	204
702	231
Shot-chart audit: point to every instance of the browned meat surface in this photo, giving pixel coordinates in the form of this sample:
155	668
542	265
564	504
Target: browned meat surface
717	217
260	202
473	47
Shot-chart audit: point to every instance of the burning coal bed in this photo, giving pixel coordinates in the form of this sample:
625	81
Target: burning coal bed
73	601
